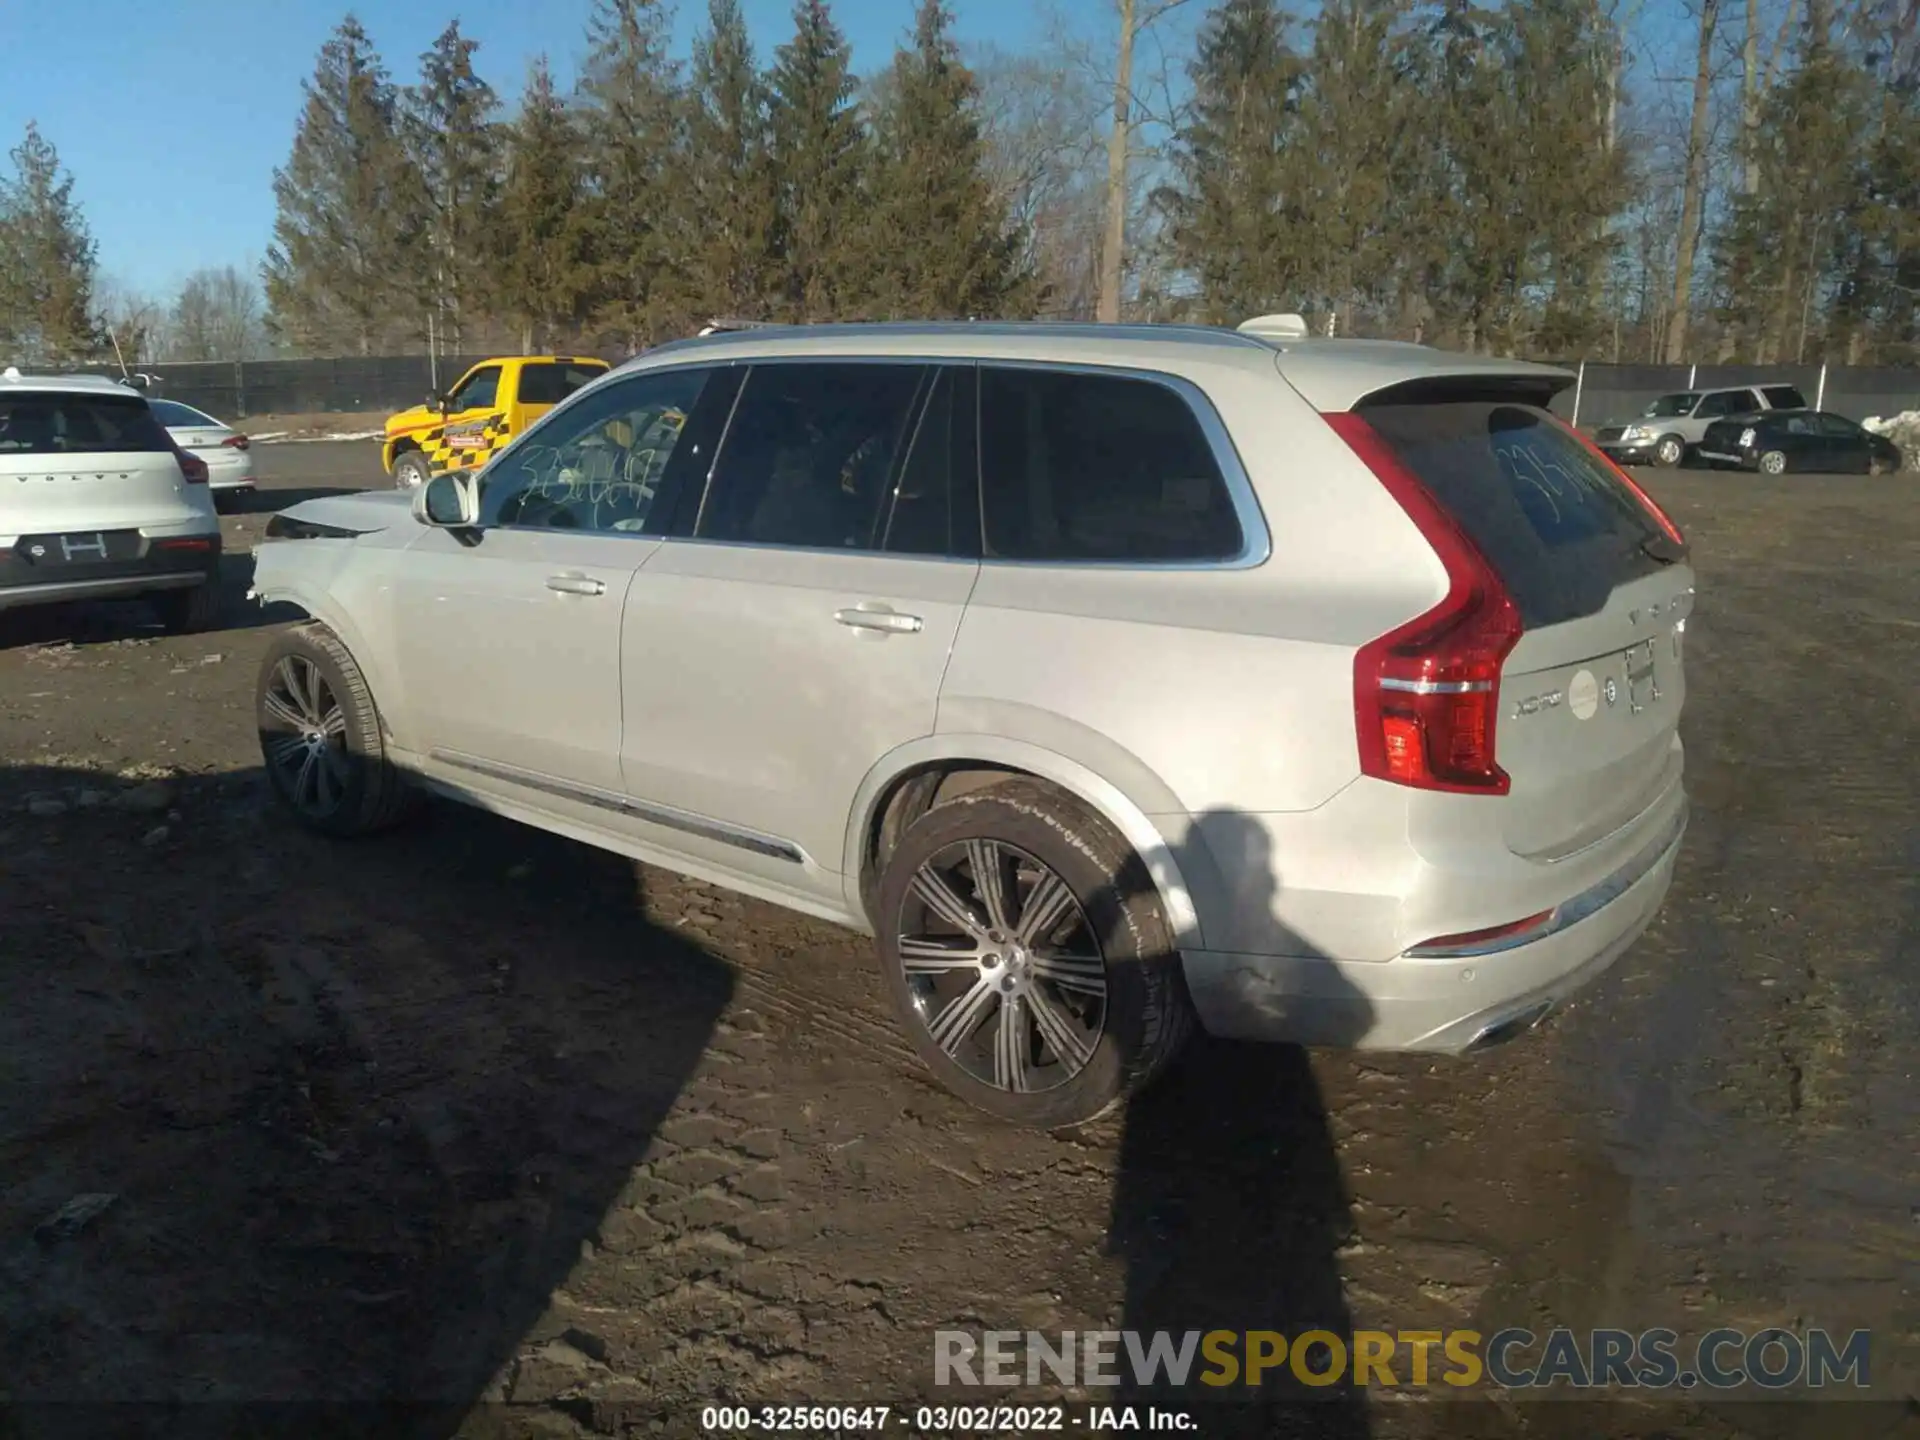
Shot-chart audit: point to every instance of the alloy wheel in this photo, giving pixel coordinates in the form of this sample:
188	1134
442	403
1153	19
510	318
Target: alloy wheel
304	736
1002	967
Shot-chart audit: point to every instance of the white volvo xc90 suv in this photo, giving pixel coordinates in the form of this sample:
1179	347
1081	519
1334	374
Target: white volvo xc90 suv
1112	678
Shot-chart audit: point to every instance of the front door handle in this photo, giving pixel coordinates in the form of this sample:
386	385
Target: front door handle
576	585
879	617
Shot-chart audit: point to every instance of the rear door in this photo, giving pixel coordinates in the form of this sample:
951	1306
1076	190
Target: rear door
799	633
1590	698
86	463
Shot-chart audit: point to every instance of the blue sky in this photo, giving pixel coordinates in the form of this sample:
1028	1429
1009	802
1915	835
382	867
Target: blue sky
172	114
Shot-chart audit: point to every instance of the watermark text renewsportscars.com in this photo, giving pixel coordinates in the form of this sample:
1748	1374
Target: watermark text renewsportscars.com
1512	1359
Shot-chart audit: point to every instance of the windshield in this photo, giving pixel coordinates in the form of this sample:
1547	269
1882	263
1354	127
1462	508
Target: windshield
1669	406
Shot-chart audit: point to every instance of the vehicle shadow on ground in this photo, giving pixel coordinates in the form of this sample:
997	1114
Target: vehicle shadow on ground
360	1107
1229	1205
93	622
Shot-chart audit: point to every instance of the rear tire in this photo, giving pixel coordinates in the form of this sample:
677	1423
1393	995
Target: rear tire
1774	462
1669	452
190	611
1054	1024
411	471
321	738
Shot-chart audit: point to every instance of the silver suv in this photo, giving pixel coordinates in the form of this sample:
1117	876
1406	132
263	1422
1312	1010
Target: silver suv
1112	678
1672	427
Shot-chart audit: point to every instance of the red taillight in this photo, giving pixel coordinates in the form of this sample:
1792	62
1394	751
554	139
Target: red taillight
184	542
1426	695
1660	517
191	466
235	442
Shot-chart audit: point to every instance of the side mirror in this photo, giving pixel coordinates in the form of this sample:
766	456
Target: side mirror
437	400
448	502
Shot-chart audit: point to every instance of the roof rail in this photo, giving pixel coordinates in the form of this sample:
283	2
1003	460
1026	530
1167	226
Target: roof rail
723	326
1285	326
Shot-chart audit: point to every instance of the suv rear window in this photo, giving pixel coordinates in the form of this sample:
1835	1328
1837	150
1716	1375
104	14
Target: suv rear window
1097	467
549	384
1558	527
54	423
1784	397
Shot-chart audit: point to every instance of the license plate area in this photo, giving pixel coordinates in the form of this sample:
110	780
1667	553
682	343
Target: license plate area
79	548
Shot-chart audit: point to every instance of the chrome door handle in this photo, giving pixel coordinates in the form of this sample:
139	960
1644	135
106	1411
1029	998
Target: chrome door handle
888	622
576	585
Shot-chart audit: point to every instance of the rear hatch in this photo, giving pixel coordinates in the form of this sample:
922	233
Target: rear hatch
83	462
1590	697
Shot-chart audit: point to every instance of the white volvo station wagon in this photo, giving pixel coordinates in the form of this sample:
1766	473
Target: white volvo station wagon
1115	679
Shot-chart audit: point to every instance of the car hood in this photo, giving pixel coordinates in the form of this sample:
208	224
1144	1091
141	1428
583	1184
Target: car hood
359	512
418	418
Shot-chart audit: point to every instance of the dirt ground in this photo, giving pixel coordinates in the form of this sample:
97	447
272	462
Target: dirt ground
469	1130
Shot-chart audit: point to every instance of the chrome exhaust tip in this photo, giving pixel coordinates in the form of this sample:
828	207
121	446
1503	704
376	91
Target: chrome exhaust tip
1510	1028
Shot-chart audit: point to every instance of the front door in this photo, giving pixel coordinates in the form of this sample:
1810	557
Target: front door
801	629
508	635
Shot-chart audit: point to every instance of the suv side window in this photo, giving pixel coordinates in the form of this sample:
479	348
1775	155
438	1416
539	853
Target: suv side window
812	455
1784	397
600	464
477	391
1077	466
1724	402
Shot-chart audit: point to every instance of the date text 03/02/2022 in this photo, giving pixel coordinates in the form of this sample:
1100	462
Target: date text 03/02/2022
941	1419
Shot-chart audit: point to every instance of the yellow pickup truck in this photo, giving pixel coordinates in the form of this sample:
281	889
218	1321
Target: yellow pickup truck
492	403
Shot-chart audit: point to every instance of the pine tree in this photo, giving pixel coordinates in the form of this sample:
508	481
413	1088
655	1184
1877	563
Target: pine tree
1236	222
948	251
46	260
820	154
336	273
544	235
636	168
1353	156
730	170
454	142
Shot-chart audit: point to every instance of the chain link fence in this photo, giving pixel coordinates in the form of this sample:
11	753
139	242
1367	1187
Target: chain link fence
235	391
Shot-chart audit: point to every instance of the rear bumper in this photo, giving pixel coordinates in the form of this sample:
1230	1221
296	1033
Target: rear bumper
161	566
1729	457
1445	1005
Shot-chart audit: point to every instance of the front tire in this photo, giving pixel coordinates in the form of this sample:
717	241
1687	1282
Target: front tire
411	470
1029	957
321	739
1774	462
1669	452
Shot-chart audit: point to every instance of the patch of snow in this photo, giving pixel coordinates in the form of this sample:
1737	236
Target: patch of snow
1903	429
284	438
269	435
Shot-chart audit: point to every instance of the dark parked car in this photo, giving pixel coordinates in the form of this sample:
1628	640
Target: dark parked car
1815	440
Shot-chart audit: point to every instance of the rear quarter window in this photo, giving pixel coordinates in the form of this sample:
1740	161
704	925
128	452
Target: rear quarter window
549	384
1561	531
1092	468
50	423
1784	397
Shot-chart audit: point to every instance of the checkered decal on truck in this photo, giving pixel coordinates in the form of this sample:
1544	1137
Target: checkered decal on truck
466	446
